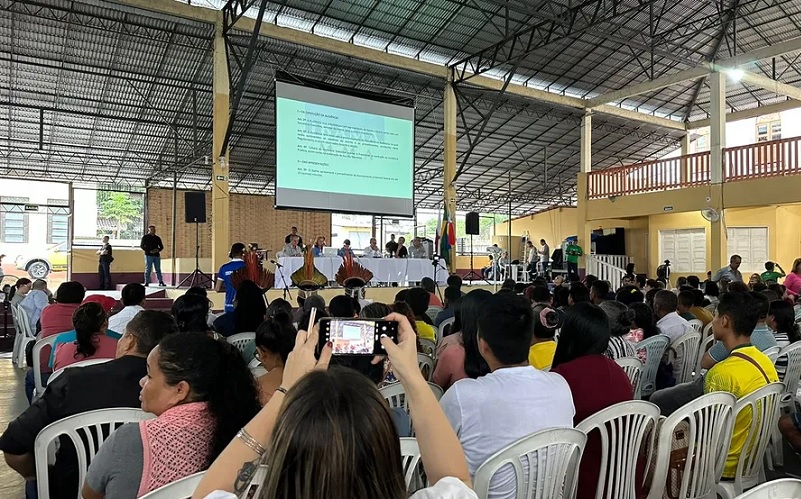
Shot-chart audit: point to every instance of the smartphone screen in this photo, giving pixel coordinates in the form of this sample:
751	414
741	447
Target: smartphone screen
352	337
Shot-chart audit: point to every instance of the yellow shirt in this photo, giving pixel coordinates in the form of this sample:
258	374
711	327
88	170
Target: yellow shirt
540	355
425	331
739	377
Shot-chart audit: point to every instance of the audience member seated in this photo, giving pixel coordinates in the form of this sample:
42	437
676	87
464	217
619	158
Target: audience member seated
628	295
539	295
452	297
275	338
458	356
248	314
34	302
428	284
620	321
711	293
454	281
599	292
202	393
203	292
90	322
669	322
543	344
781	320
417	299
698	310
642	323
313	301
694	282
133	301
685	301
102	386
561	298
190	313
513	400
19	290
744	370
343	306
595	381
578	294
340	403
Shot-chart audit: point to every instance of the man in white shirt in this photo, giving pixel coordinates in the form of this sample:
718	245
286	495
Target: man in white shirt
533	258
731	272
545	256
514	400
133	299
292	249
417	250
373	251
34	302
669	322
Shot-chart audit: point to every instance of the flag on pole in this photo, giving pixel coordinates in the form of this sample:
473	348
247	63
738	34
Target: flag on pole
447	235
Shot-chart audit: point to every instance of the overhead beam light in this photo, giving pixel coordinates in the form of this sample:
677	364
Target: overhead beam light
735	74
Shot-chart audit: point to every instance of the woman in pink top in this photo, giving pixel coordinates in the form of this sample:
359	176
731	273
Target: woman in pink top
462	359
90	322
793	280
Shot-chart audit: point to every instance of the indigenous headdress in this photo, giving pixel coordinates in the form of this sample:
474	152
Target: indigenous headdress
252	271
308	278
352	275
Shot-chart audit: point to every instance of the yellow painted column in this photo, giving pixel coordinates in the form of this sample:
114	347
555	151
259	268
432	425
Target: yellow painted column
220	195
449	158
582	226
717	141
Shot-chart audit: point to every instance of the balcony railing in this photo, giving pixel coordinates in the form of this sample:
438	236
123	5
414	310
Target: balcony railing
763	159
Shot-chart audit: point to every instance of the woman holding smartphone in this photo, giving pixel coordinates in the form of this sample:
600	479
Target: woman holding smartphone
335	404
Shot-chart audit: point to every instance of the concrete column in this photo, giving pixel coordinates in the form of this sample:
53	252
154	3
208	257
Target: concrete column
220	195
717	141
449	157
685	150
582	226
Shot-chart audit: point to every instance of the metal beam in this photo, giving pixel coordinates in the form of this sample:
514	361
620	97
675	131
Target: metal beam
749	113
772	85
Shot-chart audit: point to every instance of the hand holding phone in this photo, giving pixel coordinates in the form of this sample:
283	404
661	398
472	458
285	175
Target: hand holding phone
403	355
356	336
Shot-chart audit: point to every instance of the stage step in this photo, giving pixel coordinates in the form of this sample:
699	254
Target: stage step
160	303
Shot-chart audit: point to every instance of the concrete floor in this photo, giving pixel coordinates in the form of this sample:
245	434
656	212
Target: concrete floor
12	403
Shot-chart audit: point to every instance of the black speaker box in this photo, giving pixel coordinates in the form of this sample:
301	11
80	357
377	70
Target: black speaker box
195	206
471	223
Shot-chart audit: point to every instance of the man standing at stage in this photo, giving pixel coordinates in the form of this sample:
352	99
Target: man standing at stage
392	246
152	246
104	264
288	238
223	283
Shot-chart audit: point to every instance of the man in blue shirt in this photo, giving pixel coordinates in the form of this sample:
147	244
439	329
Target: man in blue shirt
224	275
34	302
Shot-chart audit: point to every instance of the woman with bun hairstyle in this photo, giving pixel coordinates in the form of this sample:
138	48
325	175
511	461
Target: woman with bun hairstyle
543	343
620	321
202	393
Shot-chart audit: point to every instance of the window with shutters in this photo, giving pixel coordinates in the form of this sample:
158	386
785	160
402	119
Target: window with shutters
13	220
685	248
57	220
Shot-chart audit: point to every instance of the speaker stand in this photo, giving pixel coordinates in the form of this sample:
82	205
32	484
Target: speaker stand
197	277
473	274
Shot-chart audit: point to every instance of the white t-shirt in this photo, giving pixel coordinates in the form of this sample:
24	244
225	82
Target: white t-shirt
493	411
673	326
120	320
447	488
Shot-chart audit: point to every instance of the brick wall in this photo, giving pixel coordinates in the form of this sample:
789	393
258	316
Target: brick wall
252	219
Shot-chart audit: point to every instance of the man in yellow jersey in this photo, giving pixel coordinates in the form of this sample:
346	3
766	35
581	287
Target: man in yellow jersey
744	371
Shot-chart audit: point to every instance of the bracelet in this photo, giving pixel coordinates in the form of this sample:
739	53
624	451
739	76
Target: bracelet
281	389
251	442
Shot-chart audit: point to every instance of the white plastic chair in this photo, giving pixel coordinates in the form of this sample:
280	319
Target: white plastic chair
633	367
709	421
37	368
706	344
438	391
545	465
789	401
241	341
395	395
87	431
410	458
442	326
654	347
429	347
707	332
685	347
622	427
764	406
26	337
697	325
18	335
783	488
180	489
426	365
772	353
80	363
432	312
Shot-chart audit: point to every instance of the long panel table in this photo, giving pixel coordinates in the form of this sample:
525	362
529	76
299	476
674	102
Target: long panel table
385	270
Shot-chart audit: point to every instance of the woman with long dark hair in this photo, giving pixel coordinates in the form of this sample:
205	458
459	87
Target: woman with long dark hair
191	313
275	338
90	322
596	381
619	326
458	355
202	393
643	325
248	314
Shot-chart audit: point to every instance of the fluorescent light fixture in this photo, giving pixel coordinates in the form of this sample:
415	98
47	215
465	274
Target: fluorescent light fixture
735	74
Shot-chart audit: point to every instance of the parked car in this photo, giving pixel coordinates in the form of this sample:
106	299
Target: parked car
39	266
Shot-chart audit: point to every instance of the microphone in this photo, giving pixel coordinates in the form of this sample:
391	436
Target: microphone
276	264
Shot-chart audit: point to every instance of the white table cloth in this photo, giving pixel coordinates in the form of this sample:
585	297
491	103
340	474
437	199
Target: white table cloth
385	270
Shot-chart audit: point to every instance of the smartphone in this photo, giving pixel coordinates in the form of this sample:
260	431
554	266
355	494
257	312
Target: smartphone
356	336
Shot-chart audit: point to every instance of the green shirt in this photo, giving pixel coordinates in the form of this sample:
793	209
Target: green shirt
769	277
573	252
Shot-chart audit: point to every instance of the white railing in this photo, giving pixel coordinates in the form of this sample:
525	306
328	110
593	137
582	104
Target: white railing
608	267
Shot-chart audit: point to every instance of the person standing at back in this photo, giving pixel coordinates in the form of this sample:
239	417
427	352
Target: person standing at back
152	246
292	234
104	264
545	256
730	272
572	254
223	283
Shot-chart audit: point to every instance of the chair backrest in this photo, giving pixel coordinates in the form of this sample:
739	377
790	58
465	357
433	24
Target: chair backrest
772	353
395	395
410	458
180	489
707	425
80	363
775	489
764	406
633	367
242	340
706	332
623	428
432	312
685	348
654	347
706	344
545	465
37	364
793	371
87	431
24	323
438	391
447	323
426	364
697	325
429	347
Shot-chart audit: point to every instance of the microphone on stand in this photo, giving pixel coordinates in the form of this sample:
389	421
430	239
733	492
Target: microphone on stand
276	264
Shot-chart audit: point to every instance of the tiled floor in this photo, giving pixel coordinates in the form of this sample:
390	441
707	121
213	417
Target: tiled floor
12	403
